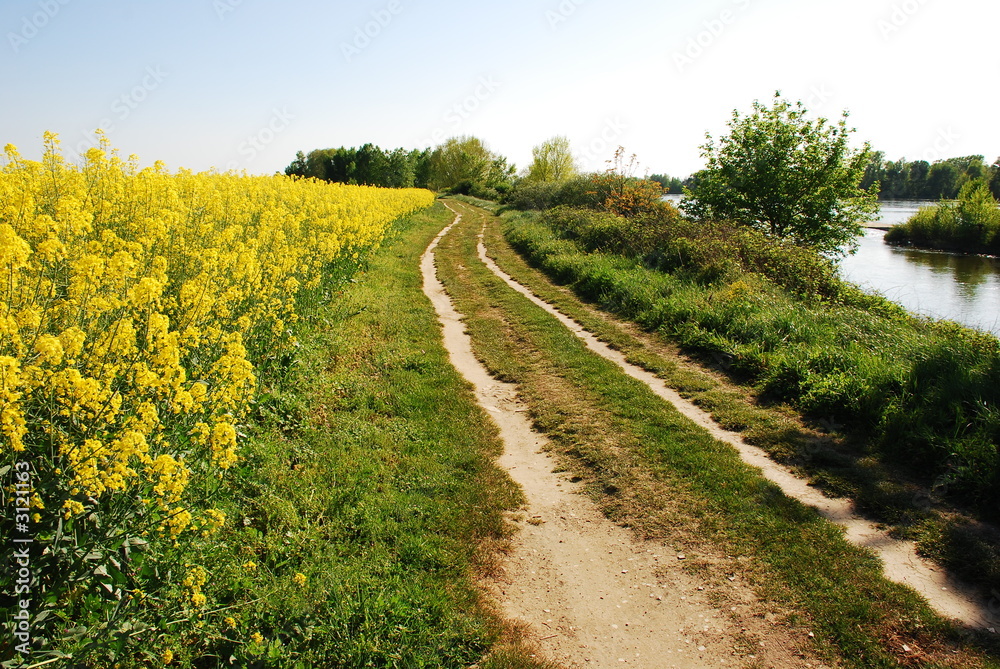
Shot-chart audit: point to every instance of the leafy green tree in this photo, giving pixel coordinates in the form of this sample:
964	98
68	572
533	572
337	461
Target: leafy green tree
995	179
788	175
874	170
459	159
298	167
500	176
916	180
553	161
467	162
942	181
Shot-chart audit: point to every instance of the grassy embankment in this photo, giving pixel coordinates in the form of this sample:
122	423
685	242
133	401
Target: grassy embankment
371	473
969	225
917	398
656	472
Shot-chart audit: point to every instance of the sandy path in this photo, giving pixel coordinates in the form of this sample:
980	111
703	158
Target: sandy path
902	563
592	596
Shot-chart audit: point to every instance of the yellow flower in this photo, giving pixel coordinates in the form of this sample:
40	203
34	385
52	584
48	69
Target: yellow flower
300	580
250	566
229	622
137	307
49	349
167	657
73	508
256	638
195	578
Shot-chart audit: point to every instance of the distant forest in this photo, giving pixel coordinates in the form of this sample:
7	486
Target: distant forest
365	166
401	168
921	180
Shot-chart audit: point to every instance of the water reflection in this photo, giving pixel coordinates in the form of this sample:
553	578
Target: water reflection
941	285
969	272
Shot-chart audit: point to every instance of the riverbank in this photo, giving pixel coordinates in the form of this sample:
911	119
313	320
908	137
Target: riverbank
970	225
894	384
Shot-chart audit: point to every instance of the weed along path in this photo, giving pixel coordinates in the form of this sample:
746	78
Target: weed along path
902	563
590	595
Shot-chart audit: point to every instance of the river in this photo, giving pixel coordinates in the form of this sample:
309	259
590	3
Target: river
957	287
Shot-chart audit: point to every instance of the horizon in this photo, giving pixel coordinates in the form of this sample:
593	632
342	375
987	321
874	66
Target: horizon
244	84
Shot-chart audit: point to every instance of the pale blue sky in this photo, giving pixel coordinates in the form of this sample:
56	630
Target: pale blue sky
247	83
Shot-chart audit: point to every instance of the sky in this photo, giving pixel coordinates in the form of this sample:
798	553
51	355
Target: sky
244	84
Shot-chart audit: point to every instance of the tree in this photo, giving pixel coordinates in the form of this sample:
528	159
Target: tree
500	175
459	159
942	181
916	184
467	162
553	162
792	177
874	171
298	167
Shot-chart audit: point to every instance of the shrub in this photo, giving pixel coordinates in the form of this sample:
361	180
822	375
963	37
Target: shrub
925	393
970	225
532	195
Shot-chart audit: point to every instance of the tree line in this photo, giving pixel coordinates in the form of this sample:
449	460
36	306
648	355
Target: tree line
368	165
461	164
922	180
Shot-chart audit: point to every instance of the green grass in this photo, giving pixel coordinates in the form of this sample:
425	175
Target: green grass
917	398
656	472
370	470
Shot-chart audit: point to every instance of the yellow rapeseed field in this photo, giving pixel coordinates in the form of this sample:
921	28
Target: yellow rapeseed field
136	306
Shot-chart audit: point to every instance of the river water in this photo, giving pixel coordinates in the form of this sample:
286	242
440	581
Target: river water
950	286
957	287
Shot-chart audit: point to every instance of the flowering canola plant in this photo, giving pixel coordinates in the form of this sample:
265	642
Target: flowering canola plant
137	308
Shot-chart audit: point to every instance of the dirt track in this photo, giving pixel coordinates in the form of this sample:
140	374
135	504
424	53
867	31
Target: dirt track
590	594
902	563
